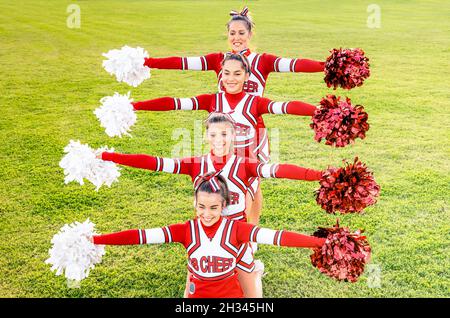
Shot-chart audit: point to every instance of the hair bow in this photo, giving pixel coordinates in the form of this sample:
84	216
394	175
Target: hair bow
242	13
212	180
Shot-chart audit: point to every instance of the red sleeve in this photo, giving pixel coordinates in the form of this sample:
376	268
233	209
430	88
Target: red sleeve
292	239
266	106
271	63
309	66
178	232
268	62
300	108
243	231
158	104
214	61
166	63
152	236
136	161
201	102
179	166
251	168
288	171
209	62
129	237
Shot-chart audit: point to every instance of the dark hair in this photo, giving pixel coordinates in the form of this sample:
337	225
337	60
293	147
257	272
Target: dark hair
204	186
244	18
216	117
238	57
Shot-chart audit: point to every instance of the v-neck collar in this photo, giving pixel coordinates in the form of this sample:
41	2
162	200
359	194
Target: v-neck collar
203	232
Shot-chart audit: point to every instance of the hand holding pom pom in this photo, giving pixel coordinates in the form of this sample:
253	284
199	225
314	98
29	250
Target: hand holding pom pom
127	64
344	254
348	190
116	114
73	251
346	68
81	162
339	122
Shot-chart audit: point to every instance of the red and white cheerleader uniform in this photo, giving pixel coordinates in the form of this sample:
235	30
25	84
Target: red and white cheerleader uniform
261	65
243	108
237	172
213	251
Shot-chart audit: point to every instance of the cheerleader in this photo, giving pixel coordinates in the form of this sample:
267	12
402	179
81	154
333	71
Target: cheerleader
240	31
238	172
212	241
244	109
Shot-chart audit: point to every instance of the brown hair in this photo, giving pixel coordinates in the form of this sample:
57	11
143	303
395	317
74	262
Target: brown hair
203	185
216	117
238	57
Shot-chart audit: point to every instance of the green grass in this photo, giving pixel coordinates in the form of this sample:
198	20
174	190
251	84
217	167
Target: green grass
52	80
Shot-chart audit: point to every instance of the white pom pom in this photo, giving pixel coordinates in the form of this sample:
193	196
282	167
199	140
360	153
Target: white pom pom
81	162
72	251
116	114
127	64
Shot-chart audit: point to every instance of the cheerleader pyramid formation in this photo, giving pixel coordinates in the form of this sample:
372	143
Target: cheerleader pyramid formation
222	240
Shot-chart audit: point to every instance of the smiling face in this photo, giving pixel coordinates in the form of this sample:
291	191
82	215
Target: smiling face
220	137
238	36
233	76
209	207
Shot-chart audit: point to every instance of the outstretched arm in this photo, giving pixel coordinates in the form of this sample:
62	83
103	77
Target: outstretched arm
246	232
282	171
209	62
272	63
167	234
201	102
176	166
266	106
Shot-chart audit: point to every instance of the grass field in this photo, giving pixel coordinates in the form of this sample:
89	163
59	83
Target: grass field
52	80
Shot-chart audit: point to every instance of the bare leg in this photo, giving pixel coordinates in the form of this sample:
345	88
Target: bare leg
250	283
186	289
254	207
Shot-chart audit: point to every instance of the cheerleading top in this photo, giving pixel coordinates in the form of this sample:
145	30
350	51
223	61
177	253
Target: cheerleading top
261	65
212	251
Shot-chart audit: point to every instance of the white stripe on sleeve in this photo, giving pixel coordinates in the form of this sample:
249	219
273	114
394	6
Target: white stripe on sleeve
266	170
169	165
277	108
186	104
194	63
265	236
284	65
155	236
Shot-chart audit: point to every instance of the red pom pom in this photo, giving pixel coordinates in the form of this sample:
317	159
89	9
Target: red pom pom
343	255
339	122
348	190
346	68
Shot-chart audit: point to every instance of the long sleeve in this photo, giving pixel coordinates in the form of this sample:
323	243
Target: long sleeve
201	102
169	165
246	232
209	62
282	171
167	234
266	106
272	63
